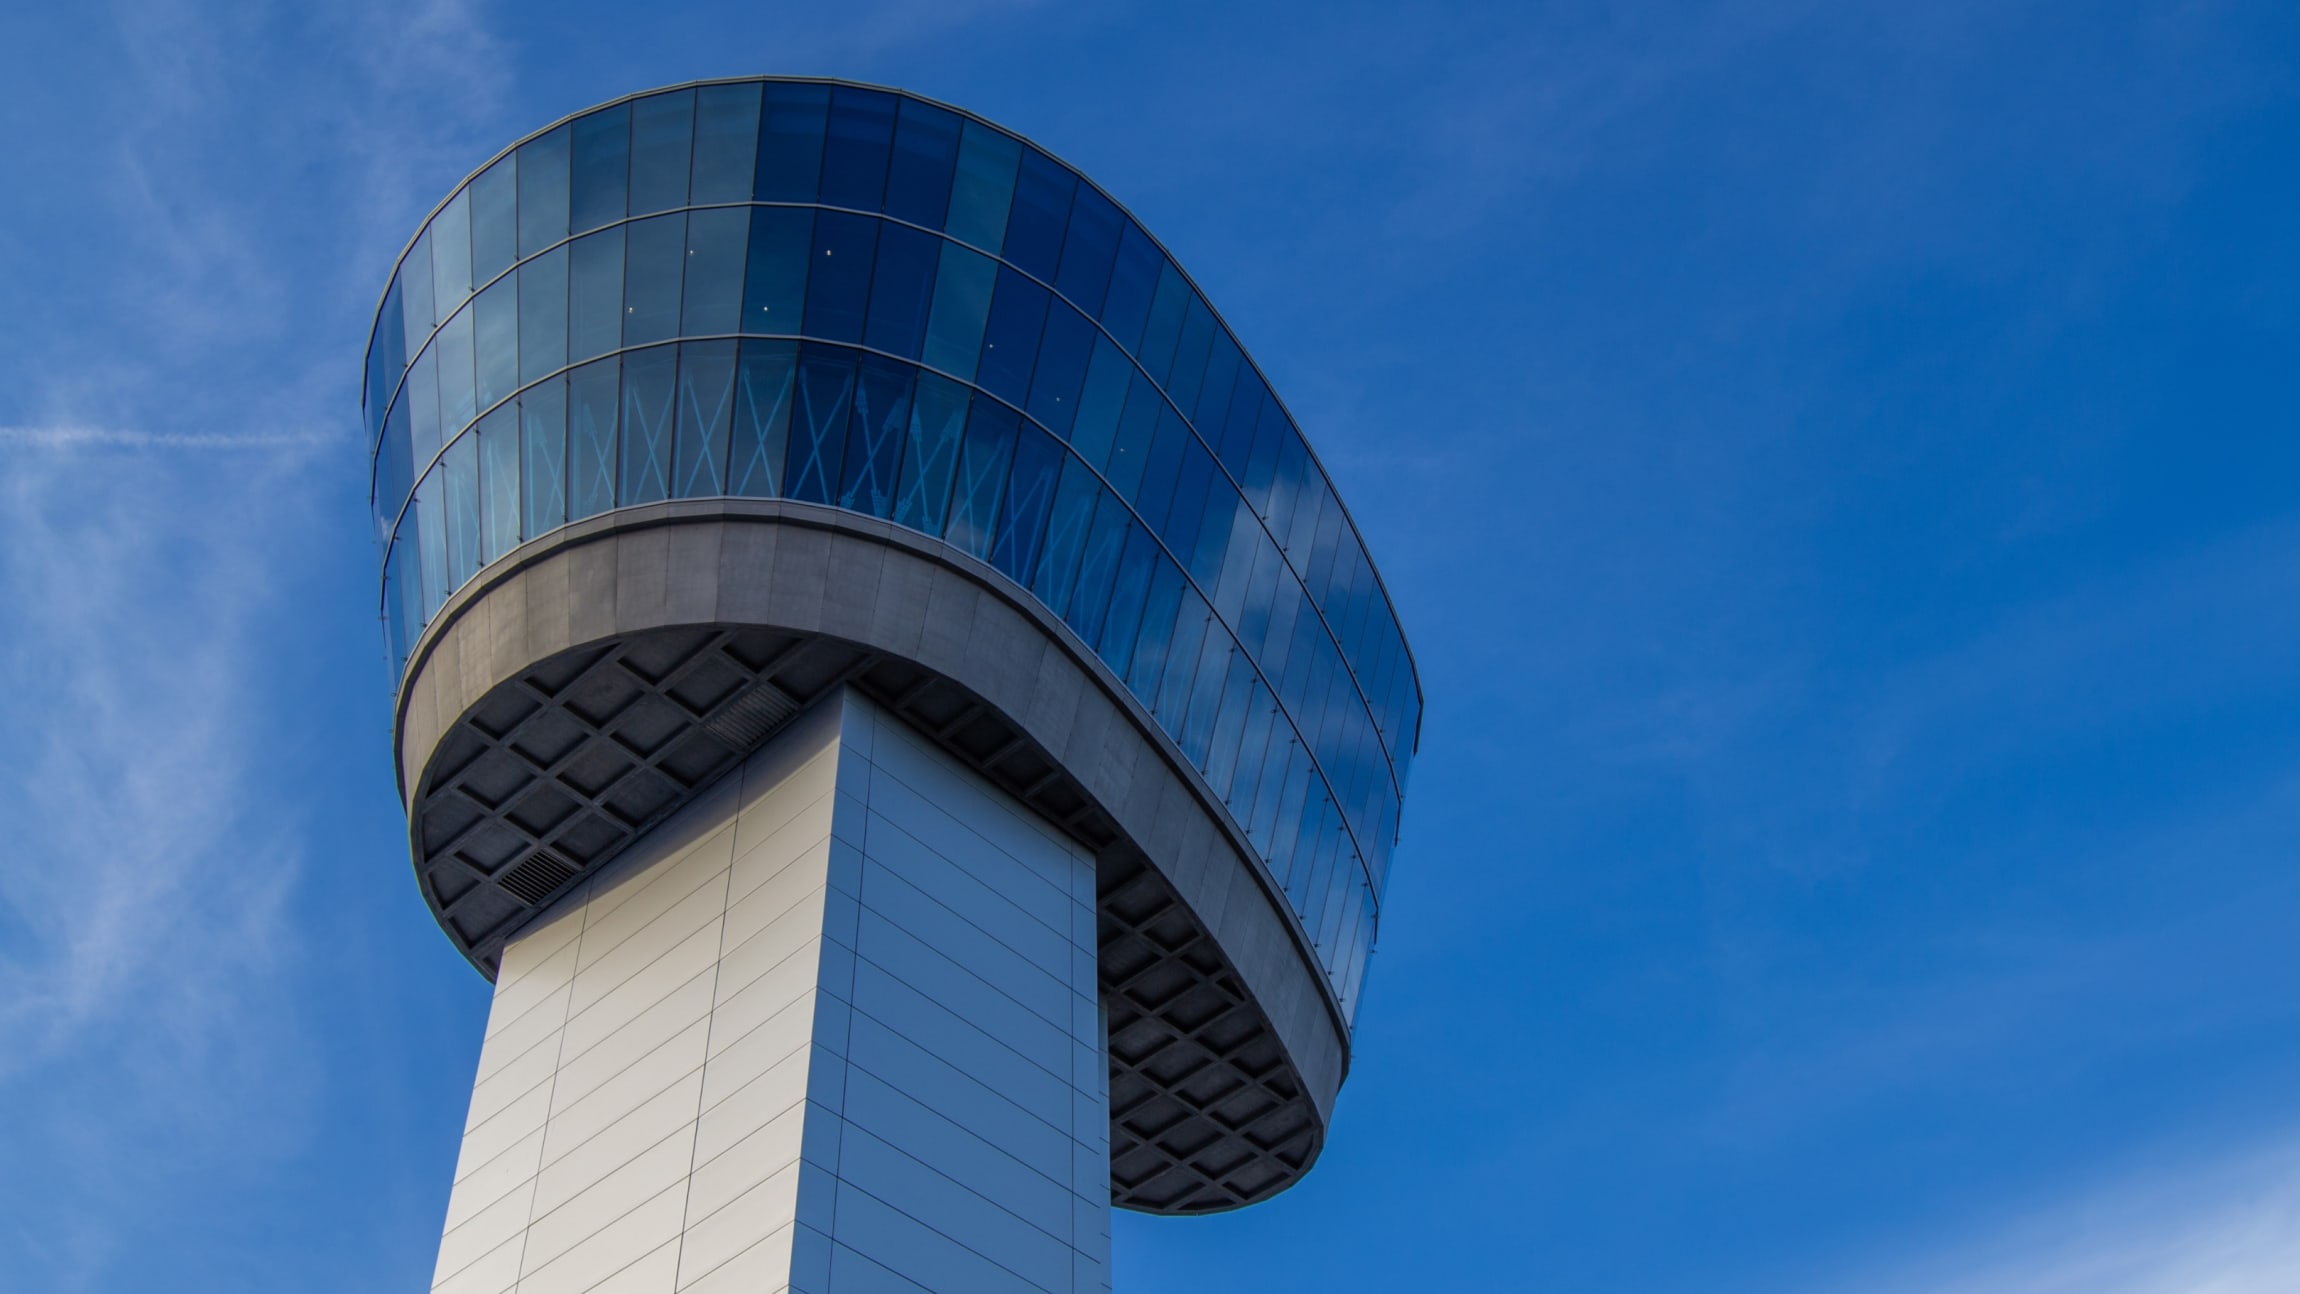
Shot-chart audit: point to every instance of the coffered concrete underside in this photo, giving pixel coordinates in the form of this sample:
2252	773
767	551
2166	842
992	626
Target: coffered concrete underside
595	681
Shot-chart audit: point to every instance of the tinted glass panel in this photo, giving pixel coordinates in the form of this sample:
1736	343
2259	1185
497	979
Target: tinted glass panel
602	168
595	294
662	146
1165	323
855	151
1190	355
1124	620
1088	249
1010	340
451	254
460	465
925	156
791	142
1137	427
875	435
394	469
458	401
706	409
416	306
838	275
494	221
1098	568
495	340
1067	524
762	414
647	425
983	459
1133	282
1041	209
543	437
543	181
593	391
984	187
902	288
543	315
963	282
652	271
1060	371
499	481
1101	401
826	383
726	143
713	301
1038	459
930	454
775	278
421	400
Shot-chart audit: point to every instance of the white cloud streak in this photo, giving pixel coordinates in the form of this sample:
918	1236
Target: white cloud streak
70	438
2227	1224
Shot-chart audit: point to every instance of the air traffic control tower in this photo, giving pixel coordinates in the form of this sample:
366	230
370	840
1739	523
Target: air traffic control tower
886	693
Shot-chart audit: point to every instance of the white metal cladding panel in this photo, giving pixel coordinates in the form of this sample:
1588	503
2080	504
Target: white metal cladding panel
832	1027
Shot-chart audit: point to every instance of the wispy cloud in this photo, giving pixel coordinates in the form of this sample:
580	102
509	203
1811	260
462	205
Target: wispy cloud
117	438
2225	1224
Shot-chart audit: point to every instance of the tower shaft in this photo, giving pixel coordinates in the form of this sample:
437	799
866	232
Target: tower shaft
833	1026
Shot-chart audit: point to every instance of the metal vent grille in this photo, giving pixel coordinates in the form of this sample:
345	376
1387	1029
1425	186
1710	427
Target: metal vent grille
537	879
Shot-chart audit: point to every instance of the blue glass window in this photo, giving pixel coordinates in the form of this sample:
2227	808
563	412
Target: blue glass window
451	254
1213	404
1137	427
819	423
543	186
1098	568
1190	354
1154	635
653	269
1041	210
593	391
416	306
983	459
647	422
394	470
1010	340
421	400
838	276
1164	326
874	436
1229	722
386	361
1131	585
1067	524
543	315
543	437
1155	495
1038	459
930	456
595	294
1270	433
984	187
713	300
498	434
706	409
431	538
662	149
1247	397
494	220
1219	523
458	401
762	415
963	282
460	469
495	340
855	148
791	142
1060	372
726	142
601	145
1179	527
1088	249
1133	283
902	289
775	279
925	155
1101	402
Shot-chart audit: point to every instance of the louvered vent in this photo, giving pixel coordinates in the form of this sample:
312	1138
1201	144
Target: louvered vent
537	879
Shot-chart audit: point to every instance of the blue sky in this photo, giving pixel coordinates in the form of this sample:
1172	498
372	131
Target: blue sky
1836	464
